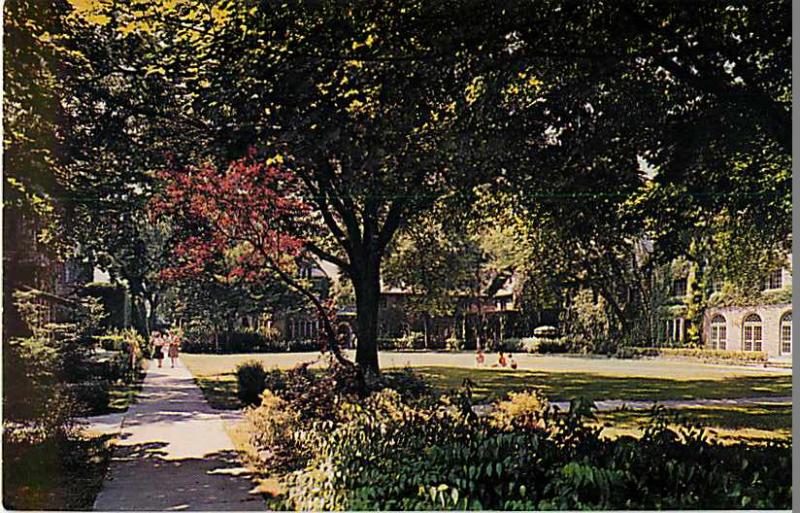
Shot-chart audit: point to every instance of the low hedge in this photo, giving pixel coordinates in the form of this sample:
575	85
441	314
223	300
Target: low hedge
243	342
700	353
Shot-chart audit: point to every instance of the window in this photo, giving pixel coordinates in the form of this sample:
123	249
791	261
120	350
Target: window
786	333
719	332
753	333
679	287
775	280
675	331
670	329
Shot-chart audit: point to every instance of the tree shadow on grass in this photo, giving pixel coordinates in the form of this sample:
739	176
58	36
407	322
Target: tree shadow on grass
143	479
220	391
492	384
58	474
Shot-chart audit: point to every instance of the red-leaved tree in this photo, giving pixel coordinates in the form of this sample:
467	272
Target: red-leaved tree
251	218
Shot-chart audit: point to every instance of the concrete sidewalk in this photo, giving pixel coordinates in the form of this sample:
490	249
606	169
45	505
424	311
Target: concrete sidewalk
173	453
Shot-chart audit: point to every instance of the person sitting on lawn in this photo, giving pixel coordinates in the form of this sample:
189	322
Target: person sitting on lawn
501	360
480	358
511	361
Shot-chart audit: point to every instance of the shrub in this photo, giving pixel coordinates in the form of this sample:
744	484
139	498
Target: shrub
387	454
91	396
413	340
703	354
250	377
204	339
407	382
545	332
315	396
454	344
556	345
513	345
525	410
271	426
111	342
529	344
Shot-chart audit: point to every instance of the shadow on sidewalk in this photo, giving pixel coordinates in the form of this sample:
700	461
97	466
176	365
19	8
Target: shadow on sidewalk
145	480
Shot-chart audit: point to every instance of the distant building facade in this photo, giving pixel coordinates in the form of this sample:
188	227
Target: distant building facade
27	266
765	326
762	327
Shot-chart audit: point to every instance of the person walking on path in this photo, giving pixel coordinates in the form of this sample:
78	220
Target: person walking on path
174	347
158	347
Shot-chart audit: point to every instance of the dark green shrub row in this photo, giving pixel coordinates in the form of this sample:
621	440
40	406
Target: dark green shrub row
699	353
242	342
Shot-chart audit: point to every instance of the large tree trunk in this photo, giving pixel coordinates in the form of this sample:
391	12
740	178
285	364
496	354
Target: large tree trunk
368	291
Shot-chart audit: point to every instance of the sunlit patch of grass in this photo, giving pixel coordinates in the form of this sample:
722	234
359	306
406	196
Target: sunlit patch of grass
728	423
491	384
758	422
220	391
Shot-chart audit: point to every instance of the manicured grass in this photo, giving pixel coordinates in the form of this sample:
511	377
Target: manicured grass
758	422
566	378
219	390
55	475
491	384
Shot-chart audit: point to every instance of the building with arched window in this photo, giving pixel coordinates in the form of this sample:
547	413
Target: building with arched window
766	328
786	334
765	325
719	333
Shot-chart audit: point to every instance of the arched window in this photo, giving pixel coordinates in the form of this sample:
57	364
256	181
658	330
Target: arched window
786	333
719	332
753	333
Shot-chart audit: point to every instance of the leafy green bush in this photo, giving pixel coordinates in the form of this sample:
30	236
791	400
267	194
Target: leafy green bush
271	426
386	453
556	345
47	366
702	354
93	396
529	344
407	382
526	410
203	339
412	340
315	395
250	378
513	345
454	344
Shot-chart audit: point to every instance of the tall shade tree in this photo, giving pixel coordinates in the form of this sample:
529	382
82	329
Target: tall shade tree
327	89
381	108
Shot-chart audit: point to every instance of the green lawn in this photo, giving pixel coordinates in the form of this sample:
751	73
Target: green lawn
559	381
493	384
750	422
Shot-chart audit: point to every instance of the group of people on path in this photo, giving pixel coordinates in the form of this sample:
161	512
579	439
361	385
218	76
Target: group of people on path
170	343
502	361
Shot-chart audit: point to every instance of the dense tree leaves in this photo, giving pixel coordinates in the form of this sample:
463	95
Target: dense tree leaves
381	110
